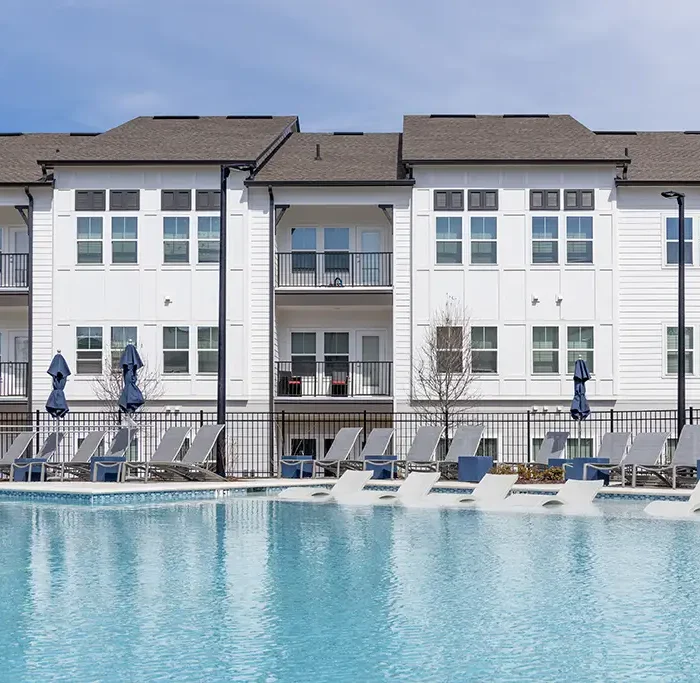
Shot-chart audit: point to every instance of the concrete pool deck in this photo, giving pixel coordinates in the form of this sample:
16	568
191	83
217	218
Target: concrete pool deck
96	489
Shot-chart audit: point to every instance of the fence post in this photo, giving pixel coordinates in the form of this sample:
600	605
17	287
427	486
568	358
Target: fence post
364	427
529	440
612	419
36	441
691	414
201	418
283	433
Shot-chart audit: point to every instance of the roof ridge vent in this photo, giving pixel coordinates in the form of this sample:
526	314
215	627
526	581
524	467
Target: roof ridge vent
83	135
691	132
175	118
10	135
318	152
453	116
615	132
250	116
525	116
350	132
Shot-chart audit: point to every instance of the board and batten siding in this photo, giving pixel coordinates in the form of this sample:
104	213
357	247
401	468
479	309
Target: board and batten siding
514	295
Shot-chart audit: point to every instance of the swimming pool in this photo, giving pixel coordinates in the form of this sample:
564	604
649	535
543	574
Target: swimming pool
246	589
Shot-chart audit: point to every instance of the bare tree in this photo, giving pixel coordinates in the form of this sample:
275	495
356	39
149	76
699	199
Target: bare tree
442	373
109	385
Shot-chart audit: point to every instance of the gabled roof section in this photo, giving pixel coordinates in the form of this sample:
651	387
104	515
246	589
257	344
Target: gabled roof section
335	159
182	139
506	139
19	152
660	158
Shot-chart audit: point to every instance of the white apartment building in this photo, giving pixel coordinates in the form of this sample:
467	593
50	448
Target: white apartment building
341	248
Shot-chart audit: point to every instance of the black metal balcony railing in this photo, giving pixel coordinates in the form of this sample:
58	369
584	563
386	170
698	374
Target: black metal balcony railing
333	269
335	379
13	379
14	271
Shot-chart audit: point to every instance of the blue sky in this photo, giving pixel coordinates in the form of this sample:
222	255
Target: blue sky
74	65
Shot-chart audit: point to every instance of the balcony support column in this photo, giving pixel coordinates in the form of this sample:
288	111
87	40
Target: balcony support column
27	214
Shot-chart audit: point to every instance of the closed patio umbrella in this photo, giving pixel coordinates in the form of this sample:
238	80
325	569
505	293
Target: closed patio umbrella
57	406
580	409
131	398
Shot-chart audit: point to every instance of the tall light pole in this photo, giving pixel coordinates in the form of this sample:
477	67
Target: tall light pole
221	348
680	198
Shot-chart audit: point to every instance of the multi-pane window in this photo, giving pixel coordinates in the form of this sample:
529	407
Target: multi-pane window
303	354
488	447
579	239
483	200
121	336
672	350
303	250
336	247
176	239
448	200
544	200
176	200
124	239
90	240
208	200
336	352
579	199
207	349
672	241
448	236
89	200
545	350
88	356
208	239
124	200
579	344
484	350
545	239
449	344
176	350
483	239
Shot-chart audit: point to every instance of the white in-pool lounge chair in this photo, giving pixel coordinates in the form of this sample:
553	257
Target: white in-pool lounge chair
416	487
574	492
676	508
193	466
352	482
492	489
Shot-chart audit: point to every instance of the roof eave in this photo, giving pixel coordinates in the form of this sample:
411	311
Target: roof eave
25	183
330	183
512	162
146	162
656	183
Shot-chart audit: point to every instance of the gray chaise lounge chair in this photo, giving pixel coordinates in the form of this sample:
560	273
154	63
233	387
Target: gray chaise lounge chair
168	449
465	442
421	454
645	452
614	448
18	449
685	458
192	467
46	452
79	465
375	447
339	452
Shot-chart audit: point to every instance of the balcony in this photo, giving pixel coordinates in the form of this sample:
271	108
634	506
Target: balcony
13	380
14	272
334	269
334	379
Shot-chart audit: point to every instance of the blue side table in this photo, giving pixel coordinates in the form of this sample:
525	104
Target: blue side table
381	466
27	469
106	468
576	471
473	467
297	467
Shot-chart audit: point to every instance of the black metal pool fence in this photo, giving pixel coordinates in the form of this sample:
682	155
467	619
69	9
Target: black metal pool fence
255	442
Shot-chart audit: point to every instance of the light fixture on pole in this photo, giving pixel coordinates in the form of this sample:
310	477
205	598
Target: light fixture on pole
680	198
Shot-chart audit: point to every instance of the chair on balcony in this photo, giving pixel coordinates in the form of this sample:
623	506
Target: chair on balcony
339	383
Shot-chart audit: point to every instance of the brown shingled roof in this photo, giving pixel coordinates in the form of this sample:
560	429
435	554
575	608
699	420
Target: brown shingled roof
504	139
345	159
206	139
19	153
661	158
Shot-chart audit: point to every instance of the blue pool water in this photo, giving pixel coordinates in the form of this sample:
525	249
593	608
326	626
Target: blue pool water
258	591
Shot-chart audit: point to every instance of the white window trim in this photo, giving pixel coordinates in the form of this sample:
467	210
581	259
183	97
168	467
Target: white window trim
175	375
550	264
558	372
191	216
577	264
568	325
664	370
664	242
103	263
452	214
495	264
485	375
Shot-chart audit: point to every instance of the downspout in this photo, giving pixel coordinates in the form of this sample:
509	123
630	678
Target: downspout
271	333
30	302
